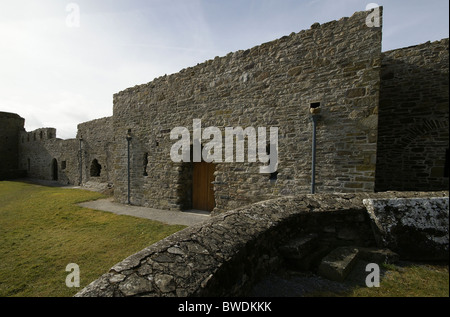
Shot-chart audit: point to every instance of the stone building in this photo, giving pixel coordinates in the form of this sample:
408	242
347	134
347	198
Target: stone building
380	122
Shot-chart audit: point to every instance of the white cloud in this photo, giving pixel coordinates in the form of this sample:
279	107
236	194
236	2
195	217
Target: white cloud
56	76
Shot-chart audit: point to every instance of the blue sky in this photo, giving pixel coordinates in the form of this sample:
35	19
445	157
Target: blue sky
54	75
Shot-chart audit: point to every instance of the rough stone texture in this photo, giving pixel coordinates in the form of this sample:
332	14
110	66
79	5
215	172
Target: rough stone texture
46	157
227	254
10	127
98	144
338	264
43	156
414	228
413	119
377	255
383	122
270	85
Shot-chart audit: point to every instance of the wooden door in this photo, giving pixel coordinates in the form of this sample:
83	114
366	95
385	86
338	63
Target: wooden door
203	190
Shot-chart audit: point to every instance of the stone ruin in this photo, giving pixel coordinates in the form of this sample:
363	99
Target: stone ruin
380	123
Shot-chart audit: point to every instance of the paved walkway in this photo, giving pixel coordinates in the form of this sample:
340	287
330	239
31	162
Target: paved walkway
187	218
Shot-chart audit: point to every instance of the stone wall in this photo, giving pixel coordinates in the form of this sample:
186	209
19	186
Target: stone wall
97	147
271	85
413	119
46	157
10	127
227	254
414	228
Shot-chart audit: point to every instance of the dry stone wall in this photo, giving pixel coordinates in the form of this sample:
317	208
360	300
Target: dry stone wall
413	127
43	156
399	221
271	85
10	127
97	149
227	254
46	157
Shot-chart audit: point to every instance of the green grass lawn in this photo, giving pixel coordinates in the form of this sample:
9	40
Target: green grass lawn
42	229
413	280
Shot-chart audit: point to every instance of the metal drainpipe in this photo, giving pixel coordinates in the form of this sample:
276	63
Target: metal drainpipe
128	167
313	168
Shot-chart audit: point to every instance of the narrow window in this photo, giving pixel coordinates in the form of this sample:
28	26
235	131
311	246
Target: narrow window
63	165
145	163
96	168
273	177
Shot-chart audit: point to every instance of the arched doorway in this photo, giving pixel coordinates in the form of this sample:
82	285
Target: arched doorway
202	187
54	169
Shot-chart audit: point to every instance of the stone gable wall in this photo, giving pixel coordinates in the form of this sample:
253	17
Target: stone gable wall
97	144
413	118
271	85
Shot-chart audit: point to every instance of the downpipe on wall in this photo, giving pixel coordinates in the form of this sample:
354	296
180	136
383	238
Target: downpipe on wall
128	166
314	110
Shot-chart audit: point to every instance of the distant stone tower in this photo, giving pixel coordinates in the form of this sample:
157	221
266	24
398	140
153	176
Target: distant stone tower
11	125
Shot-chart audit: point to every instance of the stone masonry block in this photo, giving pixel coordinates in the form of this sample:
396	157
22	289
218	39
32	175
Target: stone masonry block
338	263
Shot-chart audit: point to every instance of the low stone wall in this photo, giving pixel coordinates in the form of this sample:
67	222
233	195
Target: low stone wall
415	228
227	254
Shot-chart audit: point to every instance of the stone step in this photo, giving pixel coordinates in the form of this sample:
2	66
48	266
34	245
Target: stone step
338	263
300	247
303	253
377	255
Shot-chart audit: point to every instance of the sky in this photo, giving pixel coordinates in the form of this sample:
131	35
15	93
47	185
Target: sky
62	61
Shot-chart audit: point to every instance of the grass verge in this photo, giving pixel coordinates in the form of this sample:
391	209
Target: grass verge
42	229
412	280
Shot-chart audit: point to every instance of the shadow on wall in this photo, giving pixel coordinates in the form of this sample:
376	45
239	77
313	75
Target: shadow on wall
413	131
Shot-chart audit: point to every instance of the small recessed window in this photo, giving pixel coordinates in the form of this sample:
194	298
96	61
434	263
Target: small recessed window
314	108
63	165
273	176
95	168
145	163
